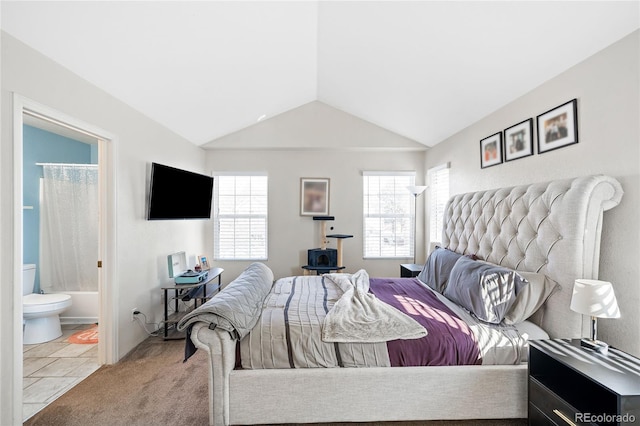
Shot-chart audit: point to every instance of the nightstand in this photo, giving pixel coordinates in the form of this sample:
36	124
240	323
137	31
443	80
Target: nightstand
571	385
408	270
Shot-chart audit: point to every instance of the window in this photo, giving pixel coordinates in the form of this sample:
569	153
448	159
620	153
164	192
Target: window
438	180
388	214
240	219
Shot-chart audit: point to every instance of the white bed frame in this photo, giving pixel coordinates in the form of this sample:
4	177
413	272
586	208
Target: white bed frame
553	228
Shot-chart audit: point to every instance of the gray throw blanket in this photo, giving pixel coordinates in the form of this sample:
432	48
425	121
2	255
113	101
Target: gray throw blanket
359	317
237	307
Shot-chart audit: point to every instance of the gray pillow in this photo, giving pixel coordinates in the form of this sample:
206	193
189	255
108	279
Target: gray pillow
488	291
531	297
436	271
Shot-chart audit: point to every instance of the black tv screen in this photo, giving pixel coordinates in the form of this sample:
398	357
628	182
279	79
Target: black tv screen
179	194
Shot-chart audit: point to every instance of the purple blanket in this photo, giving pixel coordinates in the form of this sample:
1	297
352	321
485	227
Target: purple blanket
449	340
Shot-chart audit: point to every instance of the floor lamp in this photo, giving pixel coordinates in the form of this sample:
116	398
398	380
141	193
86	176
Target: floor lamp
415	191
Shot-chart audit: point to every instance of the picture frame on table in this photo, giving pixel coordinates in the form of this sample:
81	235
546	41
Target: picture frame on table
491	150
518	140
558	127
203	261
314	196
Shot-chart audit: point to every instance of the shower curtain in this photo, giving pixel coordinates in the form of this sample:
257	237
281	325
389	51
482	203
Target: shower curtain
69	227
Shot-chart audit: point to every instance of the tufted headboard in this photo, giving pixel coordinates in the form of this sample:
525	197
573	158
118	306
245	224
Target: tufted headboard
552	228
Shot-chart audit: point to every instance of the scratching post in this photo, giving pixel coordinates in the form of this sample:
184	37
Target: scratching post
340	238
323	241
323	259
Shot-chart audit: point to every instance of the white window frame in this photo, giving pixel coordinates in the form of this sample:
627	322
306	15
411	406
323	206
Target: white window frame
218	216
368	214
439	193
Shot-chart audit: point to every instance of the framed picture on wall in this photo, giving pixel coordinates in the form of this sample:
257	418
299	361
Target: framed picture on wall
518	140
314	196
491	150
558	127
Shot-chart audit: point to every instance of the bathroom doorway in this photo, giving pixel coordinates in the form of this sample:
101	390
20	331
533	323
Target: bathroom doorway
94	305
60	215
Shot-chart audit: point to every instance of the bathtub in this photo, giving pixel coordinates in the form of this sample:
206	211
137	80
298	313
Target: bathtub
85	307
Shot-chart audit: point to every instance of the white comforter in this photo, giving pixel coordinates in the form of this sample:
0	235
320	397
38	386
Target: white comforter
358	316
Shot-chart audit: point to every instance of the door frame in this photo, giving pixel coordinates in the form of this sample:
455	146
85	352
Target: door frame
107	316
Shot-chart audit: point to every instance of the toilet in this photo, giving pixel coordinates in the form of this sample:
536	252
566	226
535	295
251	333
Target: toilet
40	312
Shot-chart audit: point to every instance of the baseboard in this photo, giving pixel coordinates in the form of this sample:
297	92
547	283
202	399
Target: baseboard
78	320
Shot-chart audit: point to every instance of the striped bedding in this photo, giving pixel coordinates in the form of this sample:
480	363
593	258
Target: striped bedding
288	333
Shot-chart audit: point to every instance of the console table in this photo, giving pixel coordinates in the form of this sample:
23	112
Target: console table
198	292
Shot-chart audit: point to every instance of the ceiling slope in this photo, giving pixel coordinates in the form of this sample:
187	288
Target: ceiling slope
426	70
202	69
421	69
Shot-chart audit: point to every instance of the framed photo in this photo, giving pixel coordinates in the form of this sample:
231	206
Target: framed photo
204	262
518	140
491	150
558	127
314	196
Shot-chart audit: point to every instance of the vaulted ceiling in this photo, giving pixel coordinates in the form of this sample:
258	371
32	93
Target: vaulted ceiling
421	69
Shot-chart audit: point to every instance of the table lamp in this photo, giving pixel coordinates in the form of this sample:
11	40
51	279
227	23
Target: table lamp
596	299
415	191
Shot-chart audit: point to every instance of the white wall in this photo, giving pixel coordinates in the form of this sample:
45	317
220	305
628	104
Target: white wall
142	246
314	126
608	91
333	145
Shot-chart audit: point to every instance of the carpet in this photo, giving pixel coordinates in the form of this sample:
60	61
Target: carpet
152	386
149	386
83	337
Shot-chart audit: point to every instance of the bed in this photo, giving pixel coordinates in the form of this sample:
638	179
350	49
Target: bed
550	228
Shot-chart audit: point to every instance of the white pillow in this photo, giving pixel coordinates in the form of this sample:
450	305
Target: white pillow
530	331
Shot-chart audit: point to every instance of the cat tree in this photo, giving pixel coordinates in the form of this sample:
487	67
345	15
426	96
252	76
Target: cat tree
324	260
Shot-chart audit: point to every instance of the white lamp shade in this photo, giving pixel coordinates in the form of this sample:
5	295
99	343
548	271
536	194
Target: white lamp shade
416	190
594	298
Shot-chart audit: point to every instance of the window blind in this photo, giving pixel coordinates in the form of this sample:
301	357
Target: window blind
388	214
240	219
438	181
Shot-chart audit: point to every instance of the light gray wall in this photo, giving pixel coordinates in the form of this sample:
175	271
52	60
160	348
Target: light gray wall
355	146
607	89
142	246
314	126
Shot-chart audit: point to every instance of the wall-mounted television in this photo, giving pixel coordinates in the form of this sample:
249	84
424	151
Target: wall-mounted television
178	194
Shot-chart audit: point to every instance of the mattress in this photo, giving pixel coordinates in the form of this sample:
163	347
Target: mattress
289	331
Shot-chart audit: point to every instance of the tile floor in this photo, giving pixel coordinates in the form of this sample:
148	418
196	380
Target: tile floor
52	368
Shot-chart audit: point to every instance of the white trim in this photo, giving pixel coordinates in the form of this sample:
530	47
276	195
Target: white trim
446	165
109	291
388	173
57	122
229	173
320	149
108	323
16	290
67	164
